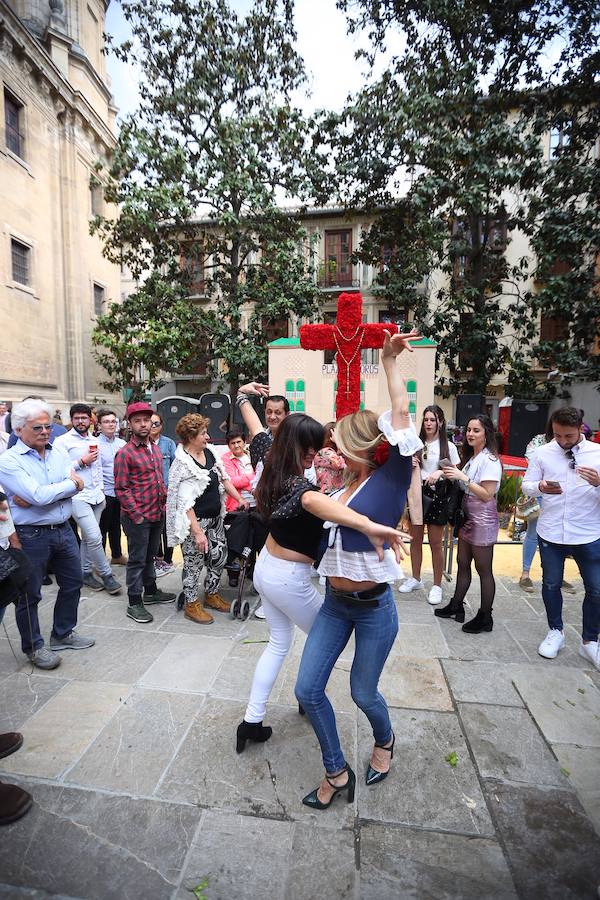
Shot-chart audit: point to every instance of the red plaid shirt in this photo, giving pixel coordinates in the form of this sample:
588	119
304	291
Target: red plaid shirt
139	484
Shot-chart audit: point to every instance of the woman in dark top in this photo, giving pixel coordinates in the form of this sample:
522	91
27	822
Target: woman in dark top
197	481
295	510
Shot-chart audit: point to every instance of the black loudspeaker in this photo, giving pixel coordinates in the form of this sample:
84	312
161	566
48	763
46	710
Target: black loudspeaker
216	408
172	409
527	418
467	406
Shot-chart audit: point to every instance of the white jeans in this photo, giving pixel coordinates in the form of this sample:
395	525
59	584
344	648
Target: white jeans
87	515
288	598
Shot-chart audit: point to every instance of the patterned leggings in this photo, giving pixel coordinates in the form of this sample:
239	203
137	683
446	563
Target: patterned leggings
214	559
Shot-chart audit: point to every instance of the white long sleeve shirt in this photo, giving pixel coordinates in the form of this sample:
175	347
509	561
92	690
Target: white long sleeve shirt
78	445
572	517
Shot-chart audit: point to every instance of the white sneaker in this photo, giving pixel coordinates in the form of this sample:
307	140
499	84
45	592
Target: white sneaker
591	652
435	595
259	612
410	584
552	643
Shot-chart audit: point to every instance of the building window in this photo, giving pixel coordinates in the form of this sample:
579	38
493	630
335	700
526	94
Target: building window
553	328
558	141
275	329
13	124
21	262
96	198
192	263
98	300
337	267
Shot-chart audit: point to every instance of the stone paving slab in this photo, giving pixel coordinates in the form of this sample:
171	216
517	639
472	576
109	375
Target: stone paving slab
420	640
266	780
415	683
21	695
131	753
507	745
494	646
58	733
564	703
423	789
531	634
85	843
188	663
581	767
401	863
553	849
477	681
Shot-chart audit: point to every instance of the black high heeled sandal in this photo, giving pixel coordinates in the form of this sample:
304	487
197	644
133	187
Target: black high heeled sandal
313	801
373	776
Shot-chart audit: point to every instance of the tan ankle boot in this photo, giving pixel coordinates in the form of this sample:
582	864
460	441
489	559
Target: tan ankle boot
196	612
215	601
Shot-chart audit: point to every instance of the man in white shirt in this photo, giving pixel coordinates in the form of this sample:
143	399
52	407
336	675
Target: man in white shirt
83	449
566	471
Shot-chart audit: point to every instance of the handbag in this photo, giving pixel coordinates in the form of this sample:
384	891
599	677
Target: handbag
527	508
15	569
457	513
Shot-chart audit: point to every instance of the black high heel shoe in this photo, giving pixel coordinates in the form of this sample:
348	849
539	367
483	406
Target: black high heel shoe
373	776
452	611
481	622
313	801
301	710
252	731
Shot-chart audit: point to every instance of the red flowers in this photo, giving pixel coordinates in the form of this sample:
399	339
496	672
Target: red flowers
382	452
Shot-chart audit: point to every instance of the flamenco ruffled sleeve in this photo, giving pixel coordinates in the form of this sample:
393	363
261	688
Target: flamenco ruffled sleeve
405	439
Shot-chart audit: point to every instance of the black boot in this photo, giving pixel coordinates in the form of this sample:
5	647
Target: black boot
454	610
252	731
481	622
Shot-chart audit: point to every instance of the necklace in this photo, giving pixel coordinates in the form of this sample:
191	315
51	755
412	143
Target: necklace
338	330
348	362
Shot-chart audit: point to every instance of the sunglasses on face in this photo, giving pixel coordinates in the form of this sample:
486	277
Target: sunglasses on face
155	424
39	428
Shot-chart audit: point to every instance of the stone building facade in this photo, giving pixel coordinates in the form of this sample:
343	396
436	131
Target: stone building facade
57	119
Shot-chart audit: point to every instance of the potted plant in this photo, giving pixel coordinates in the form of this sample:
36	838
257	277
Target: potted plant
510	488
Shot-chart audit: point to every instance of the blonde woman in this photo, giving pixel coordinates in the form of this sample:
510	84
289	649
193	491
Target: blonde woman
197	483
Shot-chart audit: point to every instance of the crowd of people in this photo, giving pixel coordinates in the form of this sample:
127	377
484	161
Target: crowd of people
330	500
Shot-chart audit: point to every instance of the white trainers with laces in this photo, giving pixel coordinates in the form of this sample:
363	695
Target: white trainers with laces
259	612
591	652
410	584
552	643
435	595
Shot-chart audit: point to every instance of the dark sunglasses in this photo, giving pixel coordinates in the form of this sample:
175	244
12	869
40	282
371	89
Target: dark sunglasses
39	428
155	424
571	457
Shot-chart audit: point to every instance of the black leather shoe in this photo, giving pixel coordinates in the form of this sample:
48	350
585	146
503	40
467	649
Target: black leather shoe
452	611
373	776
313	801
251	731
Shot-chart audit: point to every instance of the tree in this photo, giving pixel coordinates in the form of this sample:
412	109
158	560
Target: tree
198	176
461	111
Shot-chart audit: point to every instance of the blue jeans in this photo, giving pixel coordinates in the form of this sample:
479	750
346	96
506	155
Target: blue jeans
530	544
87	515
375	629
57	546
587	557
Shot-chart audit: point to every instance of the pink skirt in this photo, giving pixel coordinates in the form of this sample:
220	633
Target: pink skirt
481	527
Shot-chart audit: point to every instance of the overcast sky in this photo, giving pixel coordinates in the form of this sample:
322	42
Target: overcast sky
323	42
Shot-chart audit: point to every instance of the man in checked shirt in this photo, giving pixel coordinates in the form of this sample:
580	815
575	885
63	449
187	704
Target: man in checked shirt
141	491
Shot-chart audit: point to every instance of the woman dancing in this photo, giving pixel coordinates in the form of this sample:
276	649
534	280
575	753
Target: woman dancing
358	596
295	510
480	478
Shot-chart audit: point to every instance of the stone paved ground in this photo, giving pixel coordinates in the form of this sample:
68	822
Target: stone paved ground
129	754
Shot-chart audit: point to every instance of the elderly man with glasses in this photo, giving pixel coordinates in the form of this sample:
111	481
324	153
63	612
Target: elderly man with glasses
39	481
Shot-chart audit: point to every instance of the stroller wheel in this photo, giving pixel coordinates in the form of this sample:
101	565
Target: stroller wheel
233	609
244	611
181	600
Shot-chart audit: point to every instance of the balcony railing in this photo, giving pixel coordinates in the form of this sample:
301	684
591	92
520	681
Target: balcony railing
330	276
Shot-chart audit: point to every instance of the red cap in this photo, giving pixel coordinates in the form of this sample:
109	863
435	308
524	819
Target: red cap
134	408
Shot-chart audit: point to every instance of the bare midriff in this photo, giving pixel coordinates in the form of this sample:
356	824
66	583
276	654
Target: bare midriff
283	553
348	586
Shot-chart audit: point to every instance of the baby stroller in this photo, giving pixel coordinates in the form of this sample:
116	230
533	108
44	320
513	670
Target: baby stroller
246	534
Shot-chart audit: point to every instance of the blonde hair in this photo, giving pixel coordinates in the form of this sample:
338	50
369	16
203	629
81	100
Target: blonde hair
359	433
190	425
